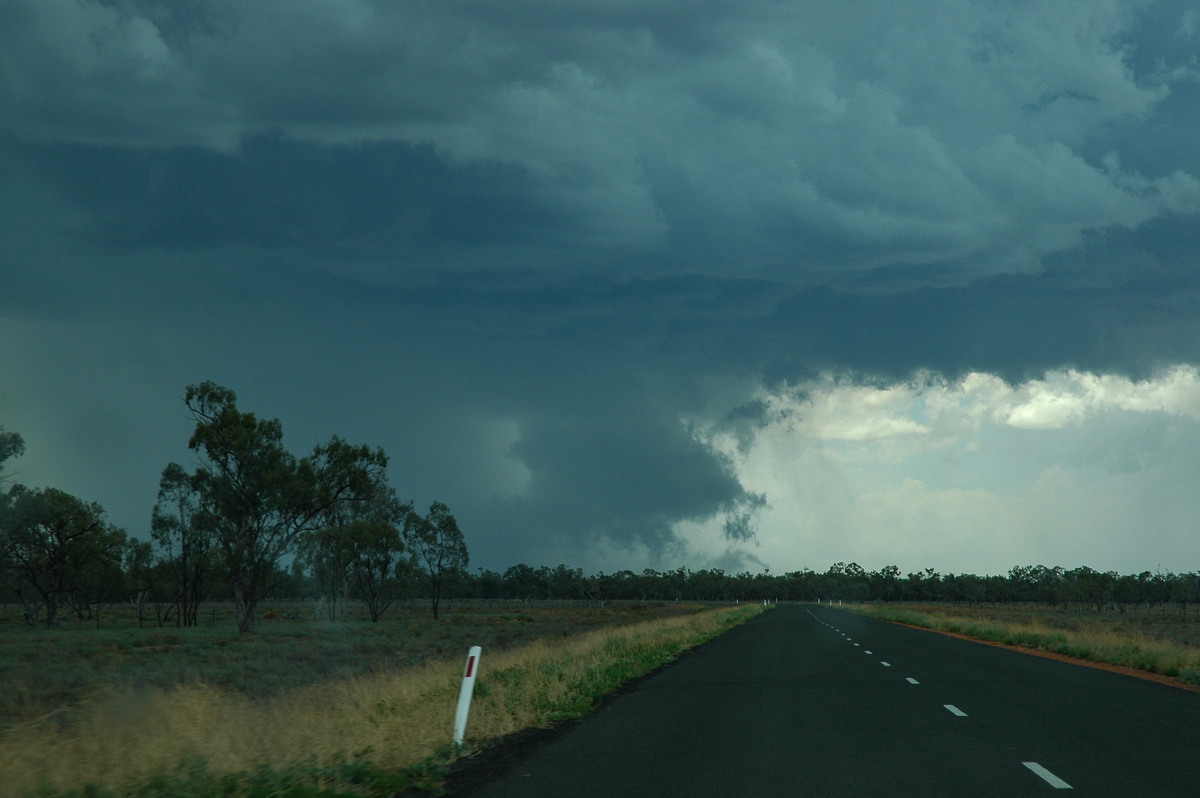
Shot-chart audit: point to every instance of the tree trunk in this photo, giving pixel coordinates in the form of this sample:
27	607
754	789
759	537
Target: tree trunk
243	607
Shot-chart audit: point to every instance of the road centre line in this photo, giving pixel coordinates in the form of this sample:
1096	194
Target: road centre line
866	652
1050	778
911	680
955	710
886	664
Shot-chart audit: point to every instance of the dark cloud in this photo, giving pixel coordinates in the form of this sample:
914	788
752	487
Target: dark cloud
523	245
776	139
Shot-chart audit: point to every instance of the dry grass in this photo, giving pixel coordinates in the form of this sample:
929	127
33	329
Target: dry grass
1152	641
390	721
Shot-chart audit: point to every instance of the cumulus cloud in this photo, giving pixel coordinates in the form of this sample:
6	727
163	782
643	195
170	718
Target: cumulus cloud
1051	470
1071	398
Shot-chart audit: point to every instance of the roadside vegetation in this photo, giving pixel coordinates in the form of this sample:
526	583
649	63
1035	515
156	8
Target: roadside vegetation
1156	640
309	708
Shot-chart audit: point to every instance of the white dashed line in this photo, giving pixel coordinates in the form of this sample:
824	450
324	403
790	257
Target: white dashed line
911	680
1050	778
867	652
886	664
955	710
856	645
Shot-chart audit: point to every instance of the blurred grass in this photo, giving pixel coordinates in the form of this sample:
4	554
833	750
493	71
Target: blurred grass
340	727
1166	643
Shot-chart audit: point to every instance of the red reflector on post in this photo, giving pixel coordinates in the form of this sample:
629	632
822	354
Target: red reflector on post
464	694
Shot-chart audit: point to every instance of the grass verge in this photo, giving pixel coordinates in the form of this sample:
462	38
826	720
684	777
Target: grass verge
374	734
1092	638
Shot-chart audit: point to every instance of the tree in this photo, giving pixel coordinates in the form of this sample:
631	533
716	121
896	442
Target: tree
438	547
62	549
185	544
11	445
524	582
379	571
257	498
360	551
138	564
325	558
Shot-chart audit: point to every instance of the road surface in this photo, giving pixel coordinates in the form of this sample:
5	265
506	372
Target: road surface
814	701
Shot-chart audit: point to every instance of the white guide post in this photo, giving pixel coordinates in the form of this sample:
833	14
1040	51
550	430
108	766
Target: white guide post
464	694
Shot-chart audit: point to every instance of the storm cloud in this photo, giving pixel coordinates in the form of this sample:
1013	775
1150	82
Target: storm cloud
548	256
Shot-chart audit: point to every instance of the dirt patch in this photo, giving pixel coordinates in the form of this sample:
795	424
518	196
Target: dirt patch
1087	663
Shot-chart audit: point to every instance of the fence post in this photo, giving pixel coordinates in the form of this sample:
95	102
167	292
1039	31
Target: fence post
464	694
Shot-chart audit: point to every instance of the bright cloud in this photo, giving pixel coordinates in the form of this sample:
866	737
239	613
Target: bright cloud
976	471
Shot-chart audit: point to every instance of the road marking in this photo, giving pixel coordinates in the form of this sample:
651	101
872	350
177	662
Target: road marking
886	664
911	680
955	710
1050	778
866	652
856	645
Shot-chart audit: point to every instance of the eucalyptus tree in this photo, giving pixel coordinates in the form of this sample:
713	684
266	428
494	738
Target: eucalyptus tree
11	445
380	571
256	497
62	550
359	552
438	548
185	544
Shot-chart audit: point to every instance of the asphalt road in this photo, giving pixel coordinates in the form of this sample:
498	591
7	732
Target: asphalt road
813	701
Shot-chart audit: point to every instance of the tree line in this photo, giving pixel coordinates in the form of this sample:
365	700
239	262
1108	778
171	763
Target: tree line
228	528
252	521
1081	587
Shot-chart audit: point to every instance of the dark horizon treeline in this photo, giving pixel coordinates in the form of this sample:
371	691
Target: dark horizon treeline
152	591
254	522
847	582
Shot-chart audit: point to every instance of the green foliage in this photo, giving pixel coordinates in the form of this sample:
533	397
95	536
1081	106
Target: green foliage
11	445
360	552
438	546
186	547
63	551
256	497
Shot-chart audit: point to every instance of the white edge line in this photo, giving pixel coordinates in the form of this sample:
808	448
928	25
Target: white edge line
1050	778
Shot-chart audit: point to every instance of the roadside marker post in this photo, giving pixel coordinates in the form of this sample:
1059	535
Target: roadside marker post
464	694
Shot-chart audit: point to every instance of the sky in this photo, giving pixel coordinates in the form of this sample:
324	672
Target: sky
765	284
